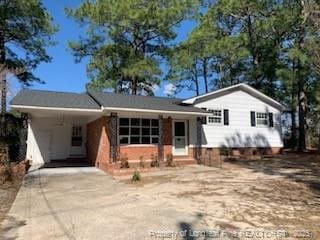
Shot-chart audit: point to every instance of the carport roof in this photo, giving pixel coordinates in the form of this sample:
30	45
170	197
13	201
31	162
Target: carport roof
50	99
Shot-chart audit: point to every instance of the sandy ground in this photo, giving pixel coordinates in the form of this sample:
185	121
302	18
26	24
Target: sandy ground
272	197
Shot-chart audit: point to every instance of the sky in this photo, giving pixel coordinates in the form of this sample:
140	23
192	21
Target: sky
62	73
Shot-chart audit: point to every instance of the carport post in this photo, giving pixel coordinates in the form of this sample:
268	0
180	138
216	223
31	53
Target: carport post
199	139
160	143
113	130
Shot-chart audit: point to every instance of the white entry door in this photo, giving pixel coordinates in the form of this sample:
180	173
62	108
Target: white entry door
76	149
180	144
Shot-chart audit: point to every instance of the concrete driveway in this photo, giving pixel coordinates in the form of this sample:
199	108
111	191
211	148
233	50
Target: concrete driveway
85	203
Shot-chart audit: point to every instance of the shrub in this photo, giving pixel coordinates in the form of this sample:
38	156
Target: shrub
124	163
154	161
224	151
136	177
170	162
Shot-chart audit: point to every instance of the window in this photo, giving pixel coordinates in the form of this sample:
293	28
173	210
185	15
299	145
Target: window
215	117
262	119
138	131
76	139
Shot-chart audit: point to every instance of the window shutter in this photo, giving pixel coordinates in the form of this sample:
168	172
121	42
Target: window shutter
226	117
270	119
204	119
253	119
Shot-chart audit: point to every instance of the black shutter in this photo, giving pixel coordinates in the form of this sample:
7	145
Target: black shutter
204	119
226	117
270	119
253	119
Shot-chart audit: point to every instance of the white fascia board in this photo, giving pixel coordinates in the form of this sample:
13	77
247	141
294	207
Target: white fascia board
193	99
153	111
19	107
241	85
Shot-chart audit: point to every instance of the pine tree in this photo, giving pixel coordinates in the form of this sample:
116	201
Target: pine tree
127	40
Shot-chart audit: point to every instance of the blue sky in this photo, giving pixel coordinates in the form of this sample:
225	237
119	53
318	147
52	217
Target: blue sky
62	73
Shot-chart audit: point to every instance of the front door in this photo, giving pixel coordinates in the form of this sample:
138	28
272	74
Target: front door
180	138
76	142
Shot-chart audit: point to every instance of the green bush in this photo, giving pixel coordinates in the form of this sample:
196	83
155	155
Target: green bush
224	151
136	177
124	163
12	137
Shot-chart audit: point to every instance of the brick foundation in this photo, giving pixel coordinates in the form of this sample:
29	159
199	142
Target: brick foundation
241	151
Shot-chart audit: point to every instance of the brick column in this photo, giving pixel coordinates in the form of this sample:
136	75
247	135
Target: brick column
199	140
113	131
160	143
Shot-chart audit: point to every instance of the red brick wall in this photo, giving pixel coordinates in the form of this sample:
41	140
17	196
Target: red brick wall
136	152
167	137
98	144
98	147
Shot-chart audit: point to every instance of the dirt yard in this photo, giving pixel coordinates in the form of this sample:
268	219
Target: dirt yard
9	185
279	193
275	198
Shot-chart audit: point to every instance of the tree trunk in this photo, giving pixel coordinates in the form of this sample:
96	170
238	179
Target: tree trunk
3	81
253	50
134	86
319	139
293	112
302	111
205	72
293	128
196	80
3	88
301	97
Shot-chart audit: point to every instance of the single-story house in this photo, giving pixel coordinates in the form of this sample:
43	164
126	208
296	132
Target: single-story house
105	128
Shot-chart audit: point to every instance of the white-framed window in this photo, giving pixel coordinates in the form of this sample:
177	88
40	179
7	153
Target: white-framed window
215	117
138	131
76	136
262	119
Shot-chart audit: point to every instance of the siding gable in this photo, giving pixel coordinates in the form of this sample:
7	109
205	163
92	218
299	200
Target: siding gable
239	132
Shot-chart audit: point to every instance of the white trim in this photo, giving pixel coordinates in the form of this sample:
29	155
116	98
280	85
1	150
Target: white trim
140	135
105	108
186	138
152	111
55	108
211	115
240	85
262	125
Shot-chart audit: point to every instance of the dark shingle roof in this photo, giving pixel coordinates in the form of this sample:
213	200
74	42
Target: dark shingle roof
54	99
94	100
141	102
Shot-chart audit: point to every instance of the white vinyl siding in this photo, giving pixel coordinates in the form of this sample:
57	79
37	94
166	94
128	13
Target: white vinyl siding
239	132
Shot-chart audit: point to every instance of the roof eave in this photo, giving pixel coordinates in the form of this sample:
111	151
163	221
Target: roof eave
29	107
154	111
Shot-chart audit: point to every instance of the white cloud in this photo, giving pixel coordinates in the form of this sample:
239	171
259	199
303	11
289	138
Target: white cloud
169	89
